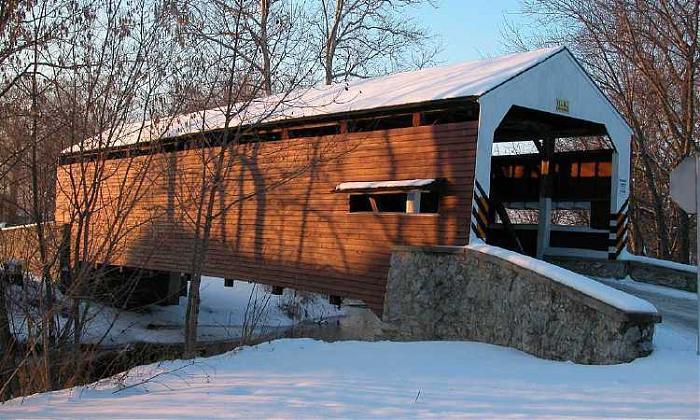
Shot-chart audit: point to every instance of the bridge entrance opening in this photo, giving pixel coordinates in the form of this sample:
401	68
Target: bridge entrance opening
551	185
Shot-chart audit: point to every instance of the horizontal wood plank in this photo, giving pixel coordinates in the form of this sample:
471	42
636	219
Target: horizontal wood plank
291	229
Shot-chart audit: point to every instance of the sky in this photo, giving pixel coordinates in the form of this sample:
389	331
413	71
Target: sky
470	29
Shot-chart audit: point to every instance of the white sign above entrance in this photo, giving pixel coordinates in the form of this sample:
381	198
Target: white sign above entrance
562	105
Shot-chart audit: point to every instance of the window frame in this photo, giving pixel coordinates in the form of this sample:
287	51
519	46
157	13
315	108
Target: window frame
413	202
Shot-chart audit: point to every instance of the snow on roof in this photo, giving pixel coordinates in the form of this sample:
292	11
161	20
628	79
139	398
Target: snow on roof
375	185
462	80
583	284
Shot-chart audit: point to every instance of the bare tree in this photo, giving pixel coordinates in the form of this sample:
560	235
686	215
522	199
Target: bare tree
101	80
11	41
20	34
241	56
364	38
271	40
97	82
230	37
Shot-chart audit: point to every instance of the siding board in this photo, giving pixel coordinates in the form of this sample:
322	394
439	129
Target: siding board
297	233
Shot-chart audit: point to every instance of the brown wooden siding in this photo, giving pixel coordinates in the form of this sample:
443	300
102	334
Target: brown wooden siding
294	231
21	244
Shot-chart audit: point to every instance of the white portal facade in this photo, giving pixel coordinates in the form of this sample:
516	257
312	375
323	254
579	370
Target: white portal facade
556	85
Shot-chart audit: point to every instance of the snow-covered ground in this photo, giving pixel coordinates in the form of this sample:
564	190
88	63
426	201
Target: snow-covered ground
677	307
307	378
223	313
635	287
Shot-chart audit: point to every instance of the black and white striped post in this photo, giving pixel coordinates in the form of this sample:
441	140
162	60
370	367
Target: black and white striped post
481	209
618	232
685	191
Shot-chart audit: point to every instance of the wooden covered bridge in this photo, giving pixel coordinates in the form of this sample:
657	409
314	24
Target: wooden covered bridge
319	191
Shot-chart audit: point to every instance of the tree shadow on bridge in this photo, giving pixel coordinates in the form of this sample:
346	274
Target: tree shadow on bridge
278	221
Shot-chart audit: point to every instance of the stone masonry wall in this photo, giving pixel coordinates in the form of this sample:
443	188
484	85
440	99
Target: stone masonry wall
637	270
592	267
662	276
453	293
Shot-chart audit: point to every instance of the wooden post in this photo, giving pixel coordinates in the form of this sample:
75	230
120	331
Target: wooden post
416	119
335	300
545	202
413	202
64	258
184	278
173	288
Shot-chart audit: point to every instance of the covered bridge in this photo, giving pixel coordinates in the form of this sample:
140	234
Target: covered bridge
321	188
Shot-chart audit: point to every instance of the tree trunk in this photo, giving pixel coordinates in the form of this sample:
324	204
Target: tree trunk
47	331
8	381
660	218
329	70
636	241
265	47
331	42
683	237
207	198
192	316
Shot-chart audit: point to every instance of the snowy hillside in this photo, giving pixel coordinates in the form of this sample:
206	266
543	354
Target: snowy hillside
223	313
302	378
307	378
